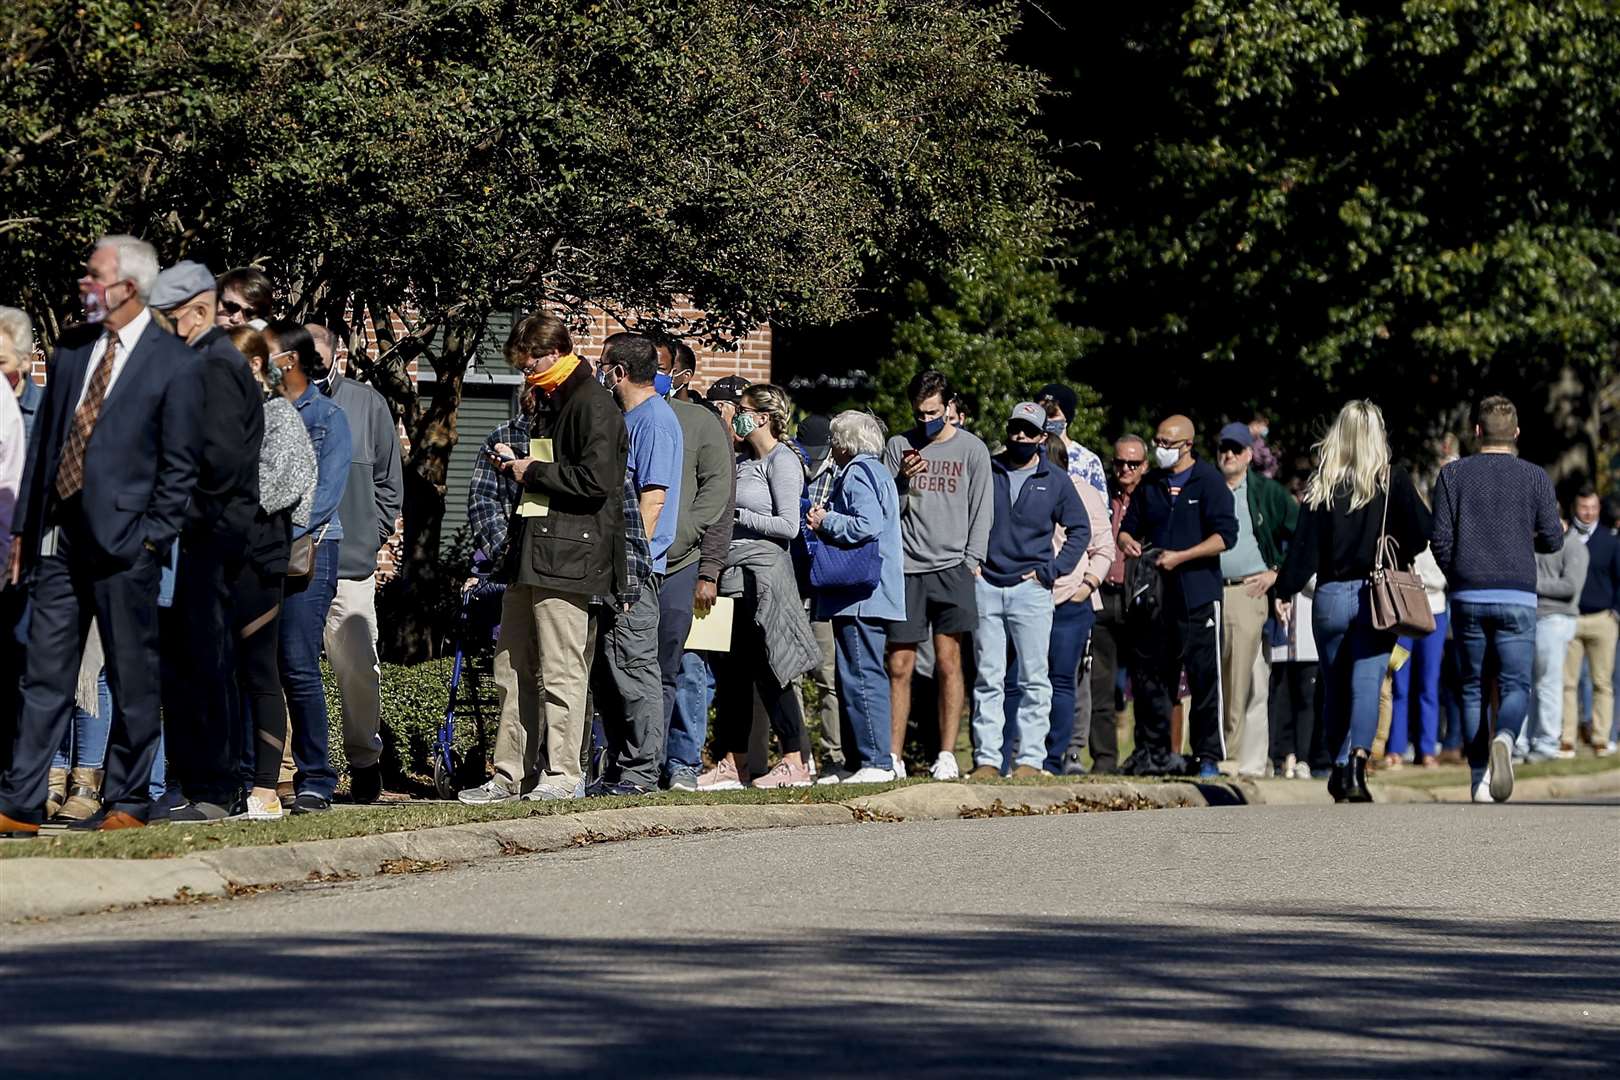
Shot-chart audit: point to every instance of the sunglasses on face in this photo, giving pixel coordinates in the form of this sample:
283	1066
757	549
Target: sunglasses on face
231	307
1126	465
1235	449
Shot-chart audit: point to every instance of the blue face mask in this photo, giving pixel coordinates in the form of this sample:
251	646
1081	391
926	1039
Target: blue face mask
663	385
1020	453
932	428
1056	426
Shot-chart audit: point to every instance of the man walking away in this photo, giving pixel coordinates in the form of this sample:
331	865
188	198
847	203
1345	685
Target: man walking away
635	732
1184	510
1109	642
1492	513
201	713
104	497
372	500
1596	626
1014	592
943	476
1266	517
1560	577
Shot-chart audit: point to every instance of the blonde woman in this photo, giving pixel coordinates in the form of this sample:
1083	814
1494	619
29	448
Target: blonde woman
1344	507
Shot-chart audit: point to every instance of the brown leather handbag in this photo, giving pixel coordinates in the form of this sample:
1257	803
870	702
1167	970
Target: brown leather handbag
1399	602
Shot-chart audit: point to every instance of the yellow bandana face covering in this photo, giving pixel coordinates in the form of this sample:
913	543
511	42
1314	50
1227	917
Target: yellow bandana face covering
555	375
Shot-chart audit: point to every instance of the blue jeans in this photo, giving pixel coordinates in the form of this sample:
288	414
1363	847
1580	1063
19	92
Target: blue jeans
863	687
1071	629
1507	634
1424	666
1546	730
689	723
1020	615
1354	658
84	744
302	627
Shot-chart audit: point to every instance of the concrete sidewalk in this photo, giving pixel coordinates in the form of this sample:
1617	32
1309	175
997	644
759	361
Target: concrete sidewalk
33	888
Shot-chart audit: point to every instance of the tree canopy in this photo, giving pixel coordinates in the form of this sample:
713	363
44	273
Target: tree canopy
1305	200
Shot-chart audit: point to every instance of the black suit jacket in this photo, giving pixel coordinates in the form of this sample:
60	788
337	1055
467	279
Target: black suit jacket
578	547
140	466
232	429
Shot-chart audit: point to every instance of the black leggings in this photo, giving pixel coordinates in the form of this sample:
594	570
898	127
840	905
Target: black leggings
256	609
748	668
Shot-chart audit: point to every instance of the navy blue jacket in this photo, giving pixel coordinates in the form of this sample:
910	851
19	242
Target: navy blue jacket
140	466
226	500
1021	533
1602	589
1204	509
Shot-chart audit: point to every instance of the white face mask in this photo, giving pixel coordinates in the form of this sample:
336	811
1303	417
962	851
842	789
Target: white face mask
1166	458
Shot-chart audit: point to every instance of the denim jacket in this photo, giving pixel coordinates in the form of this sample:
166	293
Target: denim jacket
329	435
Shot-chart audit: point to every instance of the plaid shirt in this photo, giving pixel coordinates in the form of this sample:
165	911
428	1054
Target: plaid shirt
492	500
819	487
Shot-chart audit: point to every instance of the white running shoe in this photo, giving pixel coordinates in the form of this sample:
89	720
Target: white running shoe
899	766
264	809
1482	785
1501	783
945	767
870	775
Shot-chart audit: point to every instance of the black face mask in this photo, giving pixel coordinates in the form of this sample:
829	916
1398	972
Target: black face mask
1020	452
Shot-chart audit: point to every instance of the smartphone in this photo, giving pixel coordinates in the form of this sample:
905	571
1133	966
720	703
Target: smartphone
909	453
501	459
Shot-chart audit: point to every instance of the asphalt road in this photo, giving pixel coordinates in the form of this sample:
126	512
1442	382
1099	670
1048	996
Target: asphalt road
1364	941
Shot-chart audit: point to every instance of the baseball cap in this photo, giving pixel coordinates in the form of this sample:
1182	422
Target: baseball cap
1062	395
1237	433
180	283
815	432
729	389
1030	413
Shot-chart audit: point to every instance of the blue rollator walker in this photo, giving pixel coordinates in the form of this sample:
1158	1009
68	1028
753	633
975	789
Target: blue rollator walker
477	626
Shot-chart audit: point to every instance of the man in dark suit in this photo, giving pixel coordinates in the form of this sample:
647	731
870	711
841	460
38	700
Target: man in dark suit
111	471
201	721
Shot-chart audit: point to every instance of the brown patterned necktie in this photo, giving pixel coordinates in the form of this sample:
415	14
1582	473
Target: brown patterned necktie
70	471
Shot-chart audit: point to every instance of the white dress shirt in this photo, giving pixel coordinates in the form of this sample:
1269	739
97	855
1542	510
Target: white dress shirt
11	456
127	337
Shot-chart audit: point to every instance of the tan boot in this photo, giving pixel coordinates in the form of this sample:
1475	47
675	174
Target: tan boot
56	792
85	797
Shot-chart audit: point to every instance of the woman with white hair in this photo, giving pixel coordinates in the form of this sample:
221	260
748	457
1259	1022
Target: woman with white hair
864	509
1347	501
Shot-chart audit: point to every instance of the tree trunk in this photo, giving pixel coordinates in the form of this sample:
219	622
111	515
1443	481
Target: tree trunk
426	586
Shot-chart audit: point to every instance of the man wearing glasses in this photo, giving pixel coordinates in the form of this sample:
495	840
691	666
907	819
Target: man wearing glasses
1108	635
1266	517
1184	510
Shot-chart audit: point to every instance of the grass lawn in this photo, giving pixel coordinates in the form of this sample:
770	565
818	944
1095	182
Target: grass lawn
170	840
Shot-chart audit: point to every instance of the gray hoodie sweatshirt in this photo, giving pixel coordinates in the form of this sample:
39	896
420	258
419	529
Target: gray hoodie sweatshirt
1560	578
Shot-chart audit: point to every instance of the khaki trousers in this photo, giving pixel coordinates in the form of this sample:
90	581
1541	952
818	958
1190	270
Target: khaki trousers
351	649
1595	637
542	674
1245	680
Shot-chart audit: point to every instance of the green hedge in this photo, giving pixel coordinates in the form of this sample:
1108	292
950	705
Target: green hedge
413	704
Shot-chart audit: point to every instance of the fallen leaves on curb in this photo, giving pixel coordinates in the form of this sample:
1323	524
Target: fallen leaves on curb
412	866
512	847
590	836
865	814
1076	805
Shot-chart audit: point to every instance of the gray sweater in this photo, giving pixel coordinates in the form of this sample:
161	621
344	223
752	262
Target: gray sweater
1559	579
945	511
375	491
768	492
286	462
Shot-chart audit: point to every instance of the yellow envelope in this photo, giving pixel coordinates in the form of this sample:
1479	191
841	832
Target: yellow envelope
1398	658
712	632
534	503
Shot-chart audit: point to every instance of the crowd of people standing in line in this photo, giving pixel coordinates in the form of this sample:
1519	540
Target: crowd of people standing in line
214	528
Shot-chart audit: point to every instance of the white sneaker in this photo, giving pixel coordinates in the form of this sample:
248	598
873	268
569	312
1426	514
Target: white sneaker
264	810
1482	786
945	767
870	775
1603	749
1302	770
899	767
1501	783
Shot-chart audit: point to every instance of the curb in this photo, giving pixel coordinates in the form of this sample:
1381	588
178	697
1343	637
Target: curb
45	888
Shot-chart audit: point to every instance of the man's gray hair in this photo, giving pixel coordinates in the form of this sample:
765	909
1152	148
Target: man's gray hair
15	324
137	261
855	432
1129	438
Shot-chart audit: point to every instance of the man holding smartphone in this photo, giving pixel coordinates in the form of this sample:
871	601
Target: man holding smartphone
943	475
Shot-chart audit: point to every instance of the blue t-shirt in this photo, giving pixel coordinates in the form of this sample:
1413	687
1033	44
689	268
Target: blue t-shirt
656	449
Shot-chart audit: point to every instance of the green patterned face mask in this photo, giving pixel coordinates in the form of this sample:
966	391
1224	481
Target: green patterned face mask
744	424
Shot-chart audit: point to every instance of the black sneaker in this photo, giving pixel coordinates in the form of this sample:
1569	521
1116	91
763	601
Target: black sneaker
365	784
309	803
198	811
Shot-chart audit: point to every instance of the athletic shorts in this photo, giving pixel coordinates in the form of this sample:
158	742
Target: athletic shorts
941	601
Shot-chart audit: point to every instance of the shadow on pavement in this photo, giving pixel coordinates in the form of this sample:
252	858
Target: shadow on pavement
1350	993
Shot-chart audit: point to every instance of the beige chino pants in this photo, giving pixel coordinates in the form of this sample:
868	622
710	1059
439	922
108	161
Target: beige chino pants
542	673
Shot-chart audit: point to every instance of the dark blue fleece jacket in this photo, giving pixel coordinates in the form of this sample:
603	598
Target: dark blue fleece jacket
1021	533
1203	509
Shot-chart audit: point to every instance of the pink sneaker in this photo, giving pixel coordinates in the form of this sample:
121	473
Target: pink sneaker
723	777
786	774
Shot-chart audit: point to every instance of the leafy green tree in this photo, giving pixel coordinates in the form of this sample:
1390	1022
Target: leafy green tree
432	161
992	325
1300	201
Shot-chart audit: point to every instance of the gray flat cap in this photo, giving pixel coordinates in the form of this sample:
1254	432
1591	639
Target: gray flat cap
180	283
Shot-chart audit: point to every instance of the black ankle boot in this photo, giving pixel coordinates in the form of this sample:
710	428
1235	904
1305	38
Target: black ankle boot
1336	782
1355	784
